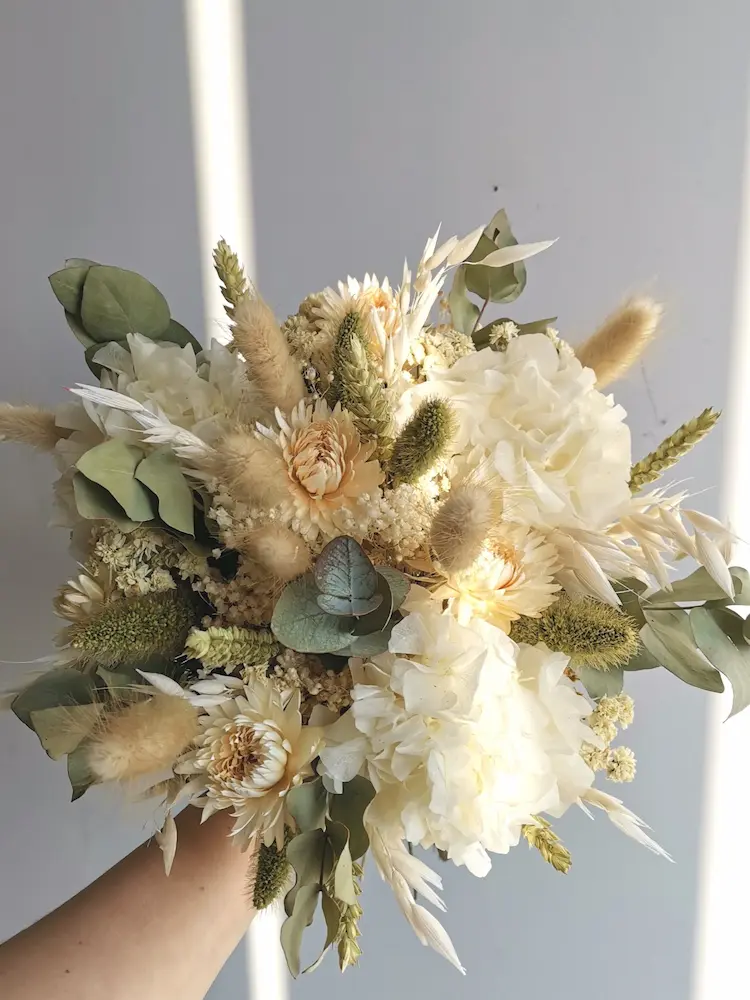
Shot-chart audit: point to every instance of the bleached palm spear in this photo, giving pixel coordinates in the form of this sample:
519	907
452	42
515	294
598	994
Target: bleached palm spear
157	426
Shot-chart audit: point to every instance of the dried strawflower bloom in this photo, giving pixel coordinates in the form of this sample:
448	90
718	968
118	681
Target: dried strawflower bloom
327	465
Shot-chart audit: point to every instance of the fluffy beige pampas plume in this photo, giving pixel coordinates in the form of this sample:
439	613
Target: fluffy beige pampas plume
142	738
462	525
620	340
277	549
29	425
250	467
270	364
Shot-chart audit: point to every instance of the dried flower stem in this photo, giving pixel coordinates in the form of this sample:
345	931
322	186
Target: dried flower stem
234	284
672	449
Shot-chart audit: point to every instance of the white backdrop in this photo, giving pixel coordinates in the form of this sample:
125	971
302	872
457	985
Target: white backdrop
618	127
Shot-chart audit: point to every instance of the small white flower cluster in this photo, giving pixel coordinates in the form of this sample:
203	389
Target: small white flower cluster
143	561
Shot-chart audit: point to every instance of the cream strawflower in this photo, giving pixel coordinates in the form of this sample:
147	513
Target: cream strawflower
375	303
464	735
513	576
327	465
533	412
251	751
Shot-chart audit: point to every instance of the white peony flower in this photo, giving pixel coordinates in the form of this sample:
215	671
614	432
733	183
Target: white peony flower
464	735
533	413
251	751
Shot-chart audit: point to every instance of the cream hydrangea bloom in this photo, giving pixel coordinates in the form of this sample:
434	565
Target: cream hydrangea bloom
251	751
327	465
464	735
532	411
203	394
514	575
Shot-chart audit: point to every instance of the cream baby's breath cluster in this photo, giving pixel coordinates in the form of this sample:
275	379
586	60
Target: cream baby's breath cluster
369	579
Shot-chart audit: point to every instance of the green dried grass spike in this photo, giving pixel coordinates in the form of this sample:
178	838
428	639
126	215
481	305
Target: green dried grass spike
541	836
357	386
269	875
234	284
133	629
423	441
231	647
591	633
672	449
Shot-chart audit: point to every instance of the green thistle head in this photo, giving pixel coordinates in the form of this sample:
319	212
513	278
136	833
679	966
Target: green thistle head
269	875
134	628
591	633
423	441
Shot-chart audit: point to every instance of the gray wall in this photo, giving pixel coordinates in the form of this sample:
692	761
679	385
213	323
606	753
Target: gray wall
617	127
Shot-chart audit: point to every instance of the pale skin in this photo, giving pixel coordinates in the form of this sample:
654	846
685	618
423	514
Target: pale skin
134	933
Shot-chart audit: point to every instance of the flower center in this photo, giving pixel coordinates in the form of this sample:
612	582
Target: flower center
252	755
318	459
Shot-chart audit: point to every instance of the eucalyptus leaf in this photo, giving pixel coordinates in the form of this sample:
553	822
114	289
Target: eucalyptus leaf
78	332
629	592
94	503
311	856
357	607
741	580
63	687
464	312
161	473
343	570
669	638
176	333
67	285
719	634
307	805
332	917
495	284
305	905
343	870
62	729
600	683
348	808
79	773
697	587
398	583
377	620
300	624
643	660
112	465
117	302
369	645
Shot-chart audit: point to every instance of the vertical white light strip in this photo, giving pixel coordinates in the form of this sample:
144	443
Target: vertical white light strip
218	91
721	942
221	141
